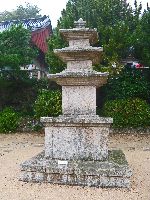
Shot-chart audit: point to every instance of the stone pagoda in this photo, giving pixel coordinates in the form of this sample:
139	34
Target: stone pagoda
76	149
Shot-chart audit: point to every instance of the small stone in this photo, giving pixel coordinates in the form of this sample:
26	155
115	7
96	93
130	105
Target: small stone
146	149
38	145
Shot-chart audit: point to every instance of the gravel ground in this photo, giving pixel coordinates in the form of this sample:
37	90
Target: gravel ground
17	148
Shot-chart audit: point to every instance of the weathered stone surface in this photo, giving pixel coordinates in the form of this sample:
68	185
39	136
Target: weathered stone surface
77	120
67	143
78	172
80	33
80	53
80	23
79	43
85	34
71	96
80	78
76	137
75	66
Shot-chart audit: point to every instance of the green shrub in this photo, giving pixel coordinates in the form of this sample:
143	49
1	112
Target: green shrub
128	113
11	86
9	120
48	104
130	83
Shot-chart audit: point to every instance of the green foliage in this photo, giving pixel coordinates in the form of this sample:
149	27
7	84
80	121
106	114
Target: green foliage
15	48
130	83
116	46
20	92
105	12
120	27
22	12
9	120
114	19
55	42
128	112
113	69
141	39
48	103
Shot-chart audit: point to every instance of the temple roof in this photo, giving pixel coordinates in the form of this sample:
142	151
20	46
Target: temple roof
32	24
40	27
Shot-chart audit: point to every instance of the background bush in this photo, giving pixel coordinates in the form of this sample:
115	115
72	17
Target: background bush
48	103
129	83
9	120
20	92
128	112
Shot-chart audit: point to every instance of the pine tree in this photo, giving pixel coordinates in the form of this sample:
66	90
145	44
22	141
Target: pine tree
115	21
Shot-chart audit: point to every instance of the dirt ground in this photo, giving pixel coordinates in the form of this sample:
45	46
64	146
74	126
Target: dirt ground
17	148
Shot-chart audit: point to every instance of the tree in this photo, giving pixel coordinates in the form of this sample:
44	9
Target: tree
29	11
142	38
113	20
95	12
15	48
16	51
56	65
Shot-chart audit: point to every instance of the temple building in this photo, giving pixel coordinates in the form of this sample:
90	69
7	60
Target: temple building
41	30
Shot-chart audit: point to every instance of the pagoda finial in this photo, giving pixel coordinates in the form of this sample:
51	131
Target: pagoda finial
80	23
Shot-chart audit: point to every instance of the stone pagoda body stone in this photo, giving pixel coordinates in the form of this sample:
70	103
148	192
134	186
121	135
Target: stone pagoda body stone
76	142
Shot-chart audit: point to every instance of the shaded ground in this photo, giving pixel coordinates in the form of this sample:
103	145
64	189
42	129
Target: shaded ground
17	148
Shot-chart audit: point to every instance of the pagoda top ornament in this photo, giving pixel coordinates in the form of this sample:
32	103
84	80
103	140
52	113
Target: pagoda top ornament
80	23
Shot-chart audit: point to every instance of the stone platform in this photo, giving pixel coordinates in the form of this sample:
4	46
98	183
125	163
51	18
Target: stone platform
114	172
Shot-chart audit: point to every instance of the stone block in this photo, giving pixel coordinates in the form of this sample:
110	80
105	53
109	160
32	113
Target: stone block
79	100
88	143
76	66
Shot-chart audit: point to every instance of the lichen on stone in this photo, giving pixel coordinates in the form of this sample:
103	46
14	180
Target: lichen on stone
117	156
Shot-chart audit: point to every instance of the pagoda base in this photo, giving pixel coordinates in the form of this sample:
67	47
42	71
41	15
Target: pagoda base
113	172
71	137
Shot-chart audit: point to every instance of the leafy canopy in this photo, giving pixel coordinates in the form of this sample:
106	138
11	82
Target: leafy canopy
15	48
56	42
141	39
115	21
